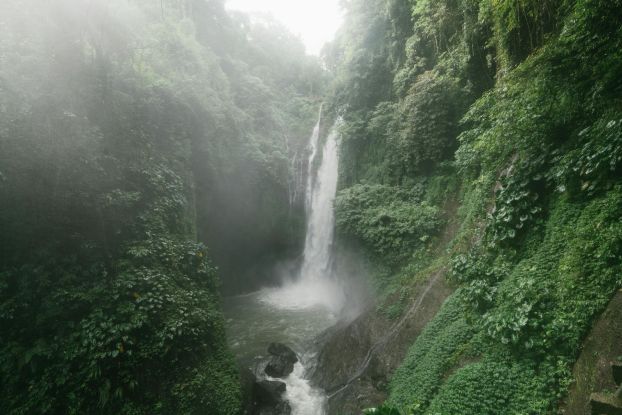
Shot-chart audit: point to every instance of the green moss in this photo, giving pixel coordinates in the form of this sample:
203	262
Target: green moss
390	221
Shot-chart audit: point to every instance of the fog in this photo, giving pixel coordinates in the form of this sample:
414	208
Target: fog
315	21
150	155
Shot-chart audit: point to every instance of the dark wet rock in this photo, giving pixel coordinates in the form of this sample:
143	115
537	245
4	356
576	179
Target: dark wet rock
281	350
269	398
595	370
356	358
247	382
281	409
281	362
279	368
269	392
262	397
605	404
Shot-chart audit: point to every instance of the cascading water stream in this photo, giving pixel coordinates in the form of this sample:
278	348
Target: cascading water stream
315	285
319	238
313	143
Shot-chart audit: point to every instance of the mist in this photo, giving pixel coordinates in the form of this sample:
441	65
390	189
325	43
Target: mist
310	208
149	163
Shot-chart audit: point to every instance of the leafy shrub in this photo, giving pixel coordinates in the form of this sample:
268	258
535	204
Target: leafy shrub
521	27
517	203
390	221
596	162
550	297
381	410
426	125
492	387
547	264
127	336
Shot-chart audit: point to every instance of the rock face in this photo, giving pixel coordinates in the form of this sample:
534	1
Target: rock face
596	370
269	392
282	360
356	359
605	404
263	397
281	409
247	381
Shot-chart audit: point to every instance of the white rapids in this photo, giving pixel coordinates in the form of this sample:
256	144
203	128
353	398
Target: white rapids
303	398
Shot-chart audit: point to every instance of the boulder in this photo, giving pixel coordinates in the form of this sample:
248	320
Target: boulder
281	362
269	392
279	368
281	350
247	382
281	409
605	404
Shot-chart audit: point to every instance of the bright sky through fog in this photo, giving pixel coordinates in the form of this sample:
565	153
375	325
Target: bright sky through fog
315	21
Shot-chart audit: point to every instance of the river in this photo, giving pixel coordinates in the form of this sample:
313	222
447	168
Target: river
253	322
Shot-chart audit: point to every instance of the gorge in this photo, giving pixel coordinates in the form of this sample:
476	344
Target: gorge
199	217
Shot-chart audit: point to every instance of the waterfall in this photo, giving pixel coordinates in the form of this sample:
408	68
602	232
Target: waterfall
321	218
313	143
315	285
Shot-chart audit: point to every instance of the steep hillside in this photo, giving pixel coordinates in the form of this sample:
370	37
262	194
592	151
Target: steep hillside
153	157
510	110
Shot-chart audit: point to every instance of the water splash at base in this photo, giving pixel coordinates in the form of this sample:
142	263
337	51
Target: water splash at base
305	294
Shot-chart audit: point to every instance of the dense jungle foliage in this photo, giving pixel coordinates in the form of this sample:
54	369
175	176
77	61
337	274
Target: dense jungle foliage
495	125
132	135
148	159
